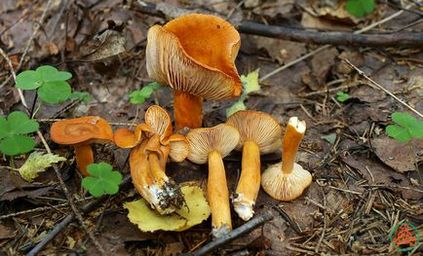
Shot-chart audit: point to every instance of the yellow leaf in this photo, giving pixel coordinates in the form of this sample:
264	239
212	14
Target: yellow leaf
251	82
149	220
37	162
197	209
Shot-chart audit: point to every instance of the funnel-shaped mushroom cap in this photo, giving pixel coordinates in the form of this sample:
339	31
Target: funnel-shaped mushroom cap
222	138
285	187
259	127
158	121
195	54
80	130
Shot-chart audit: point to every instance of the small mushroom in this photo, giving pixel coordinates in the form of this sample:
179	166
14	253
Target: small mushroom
152	144
259	133
211	145
287	180
80	133
194	54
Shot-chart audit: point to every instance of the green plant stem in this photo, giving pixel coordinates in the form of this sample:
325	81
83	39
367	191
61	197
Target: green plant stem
37	109
31	113
12	162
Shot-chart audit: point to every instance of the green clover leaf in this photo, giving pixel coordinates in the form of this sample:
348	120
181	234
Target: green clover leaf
360	8
20	123
55	92
405	127
13	130
50	83
28	80
342	96
82	96
102	180
16	144
49	74
140	96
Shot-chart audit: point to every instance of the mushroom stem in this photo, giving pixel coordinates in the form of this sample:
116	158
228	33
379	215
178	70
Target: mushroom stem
140	171
218	195
188	110
249	182
291	141
84	156
156	169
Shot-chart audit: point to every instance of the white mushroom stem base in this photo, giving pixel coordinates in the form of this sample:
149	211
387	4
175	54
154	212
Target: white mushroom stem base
243	207
218	195
285	186
249	182
165	194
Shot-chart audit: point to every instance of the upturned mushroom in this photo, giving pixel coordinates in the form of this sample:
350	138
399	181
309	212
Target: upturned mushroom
287	180
211	145
194	54
80	133
259	133
152	143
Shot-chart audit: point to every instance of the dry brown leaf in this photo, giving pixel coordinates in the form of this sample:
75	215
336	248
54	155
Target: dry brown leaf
281	50
321	64
309	21
398	156
107	44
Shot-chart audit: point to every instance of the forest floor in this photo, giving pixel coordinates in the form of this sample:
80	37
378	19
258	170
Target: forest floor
365	184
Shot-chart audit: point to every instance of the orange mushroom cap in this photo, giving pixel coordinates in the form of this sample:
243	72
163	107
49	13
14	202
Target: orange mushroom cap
195	54
81	130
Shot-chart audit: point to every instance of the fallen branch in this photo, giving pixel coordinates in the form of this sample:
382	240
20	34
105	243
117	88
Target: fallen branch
333	38
247	227
295	34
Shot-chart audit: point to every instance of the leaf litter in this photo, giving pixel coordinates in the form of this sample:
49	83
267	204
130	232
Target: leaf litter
359	192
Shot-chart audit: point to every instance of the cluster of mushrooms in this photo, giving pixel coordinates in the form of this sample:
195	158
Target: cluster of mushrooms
194	55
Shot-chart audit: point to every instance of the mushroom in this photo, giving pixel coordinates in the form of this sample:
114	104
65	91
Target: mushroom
287	180
80	133
152	144
194	54
259	133
211	145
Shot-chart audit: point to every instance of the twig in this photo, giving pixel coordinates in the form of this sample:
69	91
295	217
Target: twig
333	38
321	48
292	223
40	135
38	209
50	120
304	35
37	26
361	73
68	219
297	34
247	227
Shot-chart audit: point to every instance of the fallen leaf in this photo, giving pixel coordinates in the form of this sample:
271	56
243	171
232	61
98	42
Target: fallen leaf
309	21
38	162
281	50
321	64
6	232
149	220
398	156
108	43
273	8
